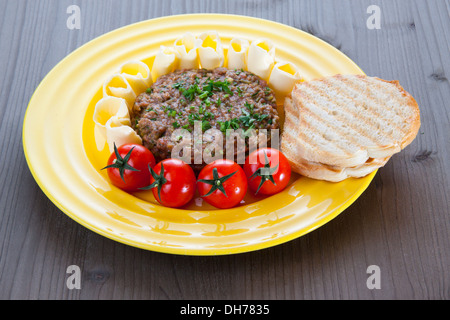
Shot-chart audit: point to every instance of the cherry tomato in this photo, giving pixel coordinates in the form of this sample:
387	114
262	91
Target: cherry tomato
222	183
268	171
173	183
128	166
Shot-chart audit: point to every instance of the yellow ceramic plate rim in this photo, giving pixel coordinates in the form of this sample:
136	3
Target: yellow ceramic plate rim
50	173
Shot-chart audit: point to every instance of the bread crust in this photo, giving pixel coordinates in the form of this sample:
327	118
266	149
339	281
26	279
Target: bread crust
336	174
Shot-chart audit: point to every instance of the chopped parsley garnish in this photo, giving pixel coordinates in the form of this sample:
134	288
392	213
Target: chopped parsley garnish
205	125
171	112
193	117
208	115
249	118
204	95
260	117
177	85
191	92
249	106
217	86
229	124
205	92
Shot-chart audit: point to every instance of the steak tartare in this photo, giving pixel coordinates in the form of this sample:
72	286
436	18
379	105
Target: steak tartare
220	98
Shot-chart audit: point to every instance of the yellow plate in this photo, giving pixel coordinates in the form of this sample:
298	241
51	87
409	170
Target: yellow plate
58	139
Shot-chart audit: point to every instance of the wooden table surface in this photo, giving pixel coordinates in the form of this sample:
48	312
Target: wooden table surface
400	224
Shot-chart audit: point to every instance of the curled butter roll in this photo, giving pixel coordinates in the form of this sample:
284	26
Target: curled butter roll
237	54
261	58
166	61
185	46
137	74
119	132
118	86
107	108
283	77
210	50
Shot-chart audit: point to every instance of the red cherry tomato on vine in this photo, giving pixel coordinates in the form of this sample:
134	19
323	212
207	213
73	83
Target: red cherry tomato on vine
127	167
268	171
222	183
172	182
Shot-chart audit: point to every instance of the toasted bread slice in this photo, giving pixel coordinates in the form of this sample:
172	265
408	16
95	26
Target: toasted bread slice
344	120
336	174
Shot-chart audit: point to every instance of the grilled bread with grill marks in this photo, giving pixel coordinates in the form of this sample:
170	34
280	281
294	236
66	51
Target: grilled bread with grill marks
346	119
322	171
345	122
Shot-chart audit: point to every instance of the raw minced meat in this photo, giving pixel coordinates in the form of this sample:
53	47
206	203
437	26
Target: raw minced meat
220	98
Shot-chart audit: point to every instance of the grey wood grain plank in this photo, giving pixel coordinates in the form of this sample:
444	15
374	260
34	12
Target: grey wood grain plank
400	223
